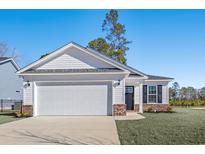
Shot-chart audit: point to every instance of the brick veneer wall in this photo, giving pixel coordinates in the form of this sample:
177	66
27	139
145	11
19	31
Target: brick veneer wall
28	109
119	109
157	107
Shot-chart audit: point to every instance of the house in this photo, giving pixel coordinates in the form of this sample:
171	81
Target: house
74	80
10	83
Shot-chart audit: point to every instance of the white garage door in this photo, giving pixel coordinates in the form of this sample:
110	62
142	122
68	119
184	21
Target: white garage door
75	99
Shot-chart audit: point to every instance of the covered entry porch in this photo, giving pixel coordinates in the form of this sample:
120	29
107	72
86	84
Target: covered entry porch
146	95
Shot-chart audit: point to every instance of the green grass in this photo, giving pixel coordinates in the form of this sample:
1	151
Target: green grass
7	116
185	126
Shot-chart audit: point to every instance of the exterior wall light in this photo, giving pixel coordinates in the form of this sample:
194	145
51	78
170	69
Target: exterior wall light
27	84
118	83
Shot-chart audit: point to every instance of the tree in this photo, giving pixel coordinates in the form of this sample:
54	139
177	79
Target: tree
6	51
115	38
171	93
191	93
183	93
188	93
202	93
115	35
100	45
174	91
3	49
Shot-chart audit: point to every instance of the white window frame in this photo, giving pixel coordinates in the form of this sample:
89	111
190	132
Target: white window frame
148	94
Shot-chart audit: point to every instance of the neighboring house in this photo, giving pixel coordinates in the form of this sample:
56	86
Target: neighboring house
74	80
10	83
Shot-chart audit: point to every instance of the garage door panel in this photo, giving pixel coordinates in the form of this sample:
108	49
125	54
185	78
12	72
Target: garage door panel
73	99
50	102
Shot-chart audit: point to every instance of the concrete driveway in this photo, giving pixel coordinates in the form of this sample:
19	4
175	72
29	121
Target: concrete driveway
60	130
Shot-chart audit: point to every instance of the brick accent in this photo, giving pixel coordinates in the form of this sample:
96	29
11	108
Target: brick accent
28	109
119	109
154	107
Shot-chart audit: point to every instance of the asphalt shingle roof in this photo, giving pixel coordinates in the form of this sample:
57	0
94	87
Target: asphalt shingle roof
73	70
134	75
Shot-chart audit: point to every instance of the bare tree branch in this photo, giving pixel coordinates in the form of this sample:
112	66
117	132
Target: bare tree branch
3	49
6	51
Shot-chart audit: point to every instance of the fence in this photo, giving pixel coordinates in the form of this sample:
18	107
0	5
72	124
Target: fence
9	105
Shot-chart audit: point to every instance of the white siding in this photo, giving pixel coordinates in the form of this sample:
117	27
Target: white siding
10	82
119	93
28	94
75	59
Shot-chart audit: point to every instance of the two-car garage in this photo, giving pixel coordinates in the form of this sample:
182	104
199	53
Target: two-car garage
73	80
84	98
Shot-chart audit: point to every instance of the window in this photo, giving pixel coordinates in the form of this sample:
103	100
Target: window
129	90
152	94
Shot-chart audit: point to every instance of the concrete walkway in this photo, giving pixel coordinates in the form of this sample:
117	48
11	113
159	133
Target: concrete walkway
60	130
130	116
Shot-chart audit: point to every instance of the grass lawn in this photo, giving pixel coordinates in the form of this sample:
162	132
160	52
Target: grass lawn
185	126
7	116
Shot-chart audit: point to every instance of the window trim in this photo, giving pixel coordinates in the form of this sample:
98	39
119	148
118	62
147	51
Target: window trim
148	94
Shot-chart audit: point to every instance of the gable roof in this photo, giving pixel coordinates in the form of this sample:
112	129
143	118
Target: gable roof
132	71
9	59
87	50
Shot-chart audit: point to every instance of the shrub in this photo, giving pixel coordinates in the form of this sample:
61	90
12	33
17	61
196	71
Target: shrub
197	102
149	109
169	109
20	115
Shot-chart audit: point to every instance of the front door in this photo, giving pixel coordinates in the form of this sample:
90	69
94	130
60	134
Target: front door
129	97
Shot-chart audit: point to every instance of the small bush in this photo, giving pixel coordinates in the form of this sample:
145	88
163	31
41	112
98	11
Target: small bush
18	114
21	115
149	109
197	102
169	109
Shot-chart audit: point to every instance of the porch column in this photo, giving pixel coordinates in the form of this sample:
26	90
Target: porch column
141	99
